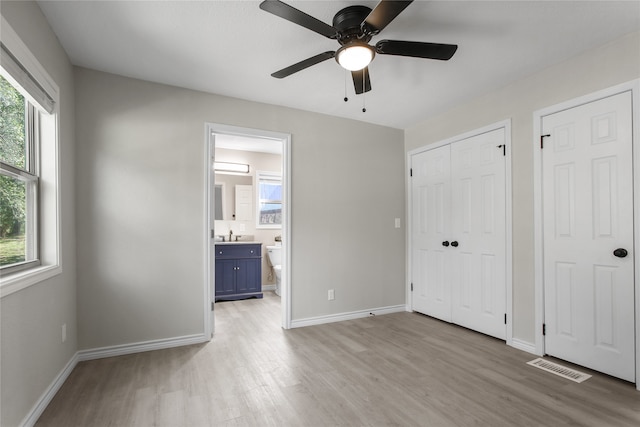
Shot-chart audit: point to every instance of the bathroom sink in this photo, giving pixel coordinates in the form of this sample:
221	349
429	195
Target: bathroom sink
240	242
235	239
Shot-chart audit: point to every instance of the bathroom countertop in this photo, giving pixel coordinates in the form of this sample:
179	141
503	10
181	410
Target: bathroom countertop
240	242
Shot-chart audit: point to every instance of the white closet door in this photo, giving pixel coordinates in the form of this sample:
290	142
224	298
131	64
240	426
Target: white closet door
459	233
478	233
430	227
588	214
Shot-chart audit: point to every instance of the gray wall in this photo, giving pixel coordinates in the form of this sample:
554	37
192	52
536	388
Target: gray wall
614	63
32	353
140	205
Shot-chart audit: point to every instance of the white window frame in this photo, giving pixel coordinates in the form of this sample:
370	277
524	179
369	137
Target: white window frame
265	176
47	113
29	175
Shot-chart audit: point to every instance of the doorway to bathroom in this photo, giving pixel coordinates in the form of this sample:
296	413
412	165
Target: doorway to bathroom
247	193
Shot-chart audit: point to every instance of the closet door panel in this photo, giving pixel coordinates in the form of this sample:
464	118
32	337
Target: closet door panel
431	213
478	281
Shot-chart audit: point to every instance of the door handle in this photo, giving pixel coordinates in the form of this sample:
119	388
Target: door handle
445	243
454	244
620	253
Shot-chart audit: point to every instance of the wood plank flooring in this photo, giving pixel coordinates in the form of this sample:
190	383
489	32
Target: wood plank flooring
400	369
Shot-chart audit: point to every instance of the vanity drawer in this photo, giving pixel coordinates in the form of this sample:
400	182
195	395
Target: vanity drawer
239	251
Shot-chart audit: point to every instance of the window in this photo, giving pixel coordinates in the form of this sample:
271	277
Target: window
18	180
269	194
29	195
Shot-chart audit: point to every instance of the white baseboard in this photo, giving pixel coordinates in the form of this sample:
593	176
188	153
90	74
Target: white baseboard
268	288
120	350
49	393
310	321
99	353
524	346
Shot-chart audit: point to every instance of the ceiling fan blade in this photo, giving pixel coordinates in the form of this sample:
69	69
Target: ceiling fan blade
296	16
443	52
385	12
303	64
361	80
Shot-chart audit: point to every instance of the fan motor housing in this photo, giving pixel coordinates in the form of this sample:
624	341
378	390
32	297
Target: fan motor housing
349	23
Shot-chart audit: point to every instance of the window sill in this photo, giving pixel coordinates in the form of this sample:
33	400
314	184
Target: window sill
12	283
269	227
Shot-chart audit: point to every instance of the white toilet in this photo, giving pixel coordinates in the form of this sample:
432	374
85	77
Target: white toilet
275	258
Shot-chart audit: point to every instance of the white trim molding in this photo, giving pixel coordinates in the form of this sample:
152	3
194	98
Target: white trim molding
211	130
506	125
121	350
633	87
529	347
99	353
24	279
339	317
49	393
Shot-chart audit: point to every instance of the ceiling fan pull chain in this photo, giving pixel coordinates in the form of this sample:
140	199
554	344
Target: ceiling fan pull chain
364	91
346	74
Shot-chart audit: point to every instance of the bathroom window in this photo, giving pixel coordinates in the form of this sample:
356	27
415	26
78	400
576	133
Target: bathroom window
269	200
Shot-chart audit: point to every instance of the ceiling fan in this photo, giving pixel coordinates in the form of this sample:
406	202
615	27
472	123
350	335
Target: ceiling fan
353	27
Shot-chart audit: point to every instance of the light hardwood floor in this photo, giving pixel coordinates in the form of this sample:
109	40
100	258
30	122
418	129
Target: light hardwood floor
400	369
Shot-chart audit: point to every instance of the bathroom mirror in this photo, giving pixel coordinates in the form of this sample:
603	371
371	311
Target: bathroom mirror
227	192
219	202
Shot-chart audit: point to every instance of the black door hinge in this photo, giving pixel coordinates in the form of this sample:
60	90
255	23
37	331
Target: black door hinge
211	305
411	287
411	172
542	137
544	329
504	149
505	318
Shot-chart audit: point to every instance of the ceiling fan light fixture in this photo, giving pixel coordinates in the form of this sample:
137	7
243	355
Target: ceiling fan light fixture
354	57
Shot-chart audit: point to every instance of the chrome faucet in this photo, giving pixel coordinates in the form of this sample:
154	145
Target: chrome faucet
230	234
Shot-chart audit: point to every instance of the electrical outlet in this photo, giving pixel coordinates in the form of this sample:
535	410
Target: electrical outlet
397	222
64	332
332	295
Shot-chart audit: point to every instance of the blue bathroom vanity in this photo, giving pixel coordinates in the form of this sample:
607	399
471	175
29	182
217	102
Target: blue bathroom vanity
238	270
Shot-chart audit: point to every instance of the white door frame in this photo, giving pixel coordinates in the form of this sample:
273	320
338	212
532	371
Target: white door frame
634	88
211	130
506	124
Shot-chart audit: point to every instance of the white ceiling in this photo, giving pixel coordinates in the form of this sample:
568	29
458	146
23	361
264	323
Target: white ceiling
232	47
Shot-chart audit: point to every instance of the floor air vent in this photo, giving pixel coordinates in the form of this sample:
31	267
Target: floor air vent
562	371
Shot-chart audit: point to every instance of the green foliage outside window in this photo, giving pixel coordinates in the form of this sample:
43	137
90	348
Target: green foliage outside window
12	191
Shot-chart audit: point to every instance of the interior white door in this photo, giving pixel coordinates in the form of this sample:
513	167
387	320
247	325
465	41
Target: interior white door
588	215
431	204
478	233
458	242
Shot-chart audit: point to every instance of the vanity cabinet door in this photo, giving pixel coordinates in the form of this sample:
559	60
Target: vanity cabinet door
248	275
225	277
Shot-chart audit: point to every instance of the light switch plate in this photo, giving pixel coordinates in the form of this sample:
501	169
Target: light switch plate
397	222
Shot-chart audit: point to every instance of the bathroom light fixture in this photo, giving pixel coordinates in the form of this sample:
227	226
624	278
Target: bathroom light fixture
355	56
230	167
